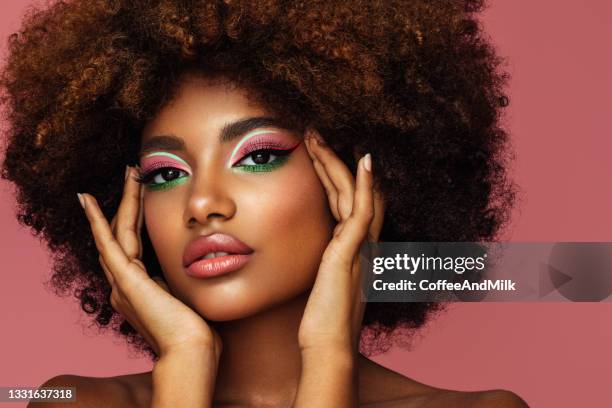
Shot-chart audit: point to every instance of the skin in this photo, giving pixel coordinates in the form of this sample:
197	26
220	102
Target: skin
265	210
283	330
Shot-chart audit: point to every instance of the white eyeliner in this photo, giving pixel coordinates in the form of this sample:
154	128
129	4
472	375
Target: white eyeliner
244	139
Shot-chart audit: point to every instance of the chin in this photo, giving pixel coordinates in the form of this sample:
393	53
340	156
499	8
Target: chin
220	305
225	313
234	305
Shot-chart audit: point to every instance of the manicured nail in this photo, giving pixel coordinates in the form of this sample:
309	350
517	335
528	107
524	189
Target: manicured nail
81	200
127	172
367	162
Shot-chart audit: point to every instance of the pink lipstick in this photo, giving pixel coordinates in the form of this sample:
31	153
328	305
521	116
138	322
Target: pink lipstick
215	255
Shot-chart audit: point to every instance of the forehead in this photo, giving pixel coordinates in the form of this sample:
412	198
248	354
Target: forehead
202	104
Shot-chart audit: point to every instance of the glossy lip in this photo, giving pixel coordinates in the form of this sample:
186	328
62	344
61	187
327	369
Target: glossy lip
208	268
239	254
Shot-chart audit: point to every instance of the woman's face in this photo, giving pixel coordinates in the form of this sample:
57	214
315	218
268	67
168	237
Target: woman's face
272	201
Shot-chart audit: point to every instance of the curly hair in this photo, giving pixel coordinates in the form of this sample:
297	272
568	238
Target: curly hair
415	82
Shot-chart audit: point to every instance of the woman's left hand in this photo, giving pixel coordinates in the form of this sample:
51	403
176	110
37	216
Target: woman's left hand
329	331
332	318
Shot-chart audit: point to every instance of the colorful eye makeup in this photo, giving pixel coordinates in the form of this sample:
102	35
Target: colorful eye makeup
163	170
261	151
258	151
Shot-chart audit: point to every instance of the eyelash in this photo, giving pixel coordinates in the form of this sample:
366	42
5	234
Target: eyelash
281	157
146	178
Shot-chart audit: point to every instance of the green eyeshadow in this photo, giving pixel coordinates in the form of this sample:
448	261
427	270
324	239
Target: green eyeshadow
258	168
167	185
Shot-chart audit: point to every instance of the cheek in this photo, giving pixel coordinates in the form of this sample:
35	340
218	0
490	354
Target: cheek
292	225
161	229
295	202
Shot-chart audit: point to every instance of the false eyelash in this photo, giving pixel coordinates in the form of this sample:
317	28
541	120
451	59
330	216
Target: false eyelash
277	152
257	147
145	178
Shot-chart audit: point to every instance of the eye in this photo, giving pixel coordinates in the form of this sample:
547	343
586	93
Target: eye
263	160
258	157
166	174
163	177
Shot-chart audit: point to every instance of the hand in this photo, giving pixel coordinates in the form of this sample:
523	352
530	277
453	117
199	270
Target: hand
334	311
165	322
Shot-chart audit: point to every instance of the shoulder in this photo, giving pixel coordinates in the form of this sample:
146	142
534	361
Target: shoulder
458	399
384	388
479	399
94	392
499	399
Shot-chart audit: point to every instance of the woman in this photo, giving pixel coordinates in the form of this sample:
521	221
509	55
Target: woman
267	140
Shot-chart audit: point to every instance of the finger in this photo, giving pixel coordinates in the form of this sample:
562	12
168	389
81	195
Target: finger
341	177
378	219
113	224
107	272
363	203
110	250
330	189
127	217
332	193
308	139
357	225
140	220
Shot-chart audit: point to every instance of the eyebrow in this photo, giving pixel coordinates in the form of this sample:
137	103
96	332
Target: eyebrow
230	131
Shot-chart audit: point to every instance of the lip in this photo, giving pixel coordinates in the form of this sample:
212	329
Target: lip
239	254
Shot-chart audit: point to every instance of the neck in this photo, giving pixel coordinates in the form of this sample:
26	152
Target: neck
261	358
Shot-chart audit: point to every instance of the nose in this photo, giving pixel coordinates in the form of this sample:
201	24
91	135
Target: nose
209	201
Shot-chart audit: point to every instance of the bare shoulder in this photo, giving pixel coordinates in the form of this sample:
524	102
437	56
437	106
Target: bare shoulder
385	388
472	399
442	398
98	392
499	399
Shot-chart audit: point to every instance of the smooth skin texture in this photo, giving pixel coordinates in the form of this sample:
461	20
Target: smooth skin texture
283	330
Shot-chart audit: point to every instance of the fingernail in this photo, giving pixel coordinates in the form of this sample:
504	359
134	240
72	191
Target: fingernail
81	200
367	162
127	172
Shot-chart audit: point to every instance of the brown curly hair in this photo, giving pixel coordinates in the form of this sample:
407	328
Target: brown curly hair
415	82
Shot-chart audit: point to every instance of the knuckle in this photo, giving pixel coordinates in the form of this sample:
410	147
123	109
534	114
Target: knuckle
131	253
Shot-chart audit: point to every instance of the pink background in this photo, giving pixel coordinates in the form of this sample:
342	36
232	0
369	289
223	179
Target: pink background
553	355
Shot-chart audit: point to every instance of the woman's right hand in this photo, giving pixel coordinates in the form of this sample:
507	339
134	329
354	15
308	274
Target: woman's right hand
166	323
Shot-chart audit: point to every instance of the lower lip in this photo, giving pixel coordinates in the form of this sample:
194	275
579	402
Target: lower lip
208	268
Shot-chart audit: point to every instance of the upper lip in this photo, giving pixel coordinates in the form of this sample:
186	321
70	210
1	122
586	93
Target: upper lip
217	242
